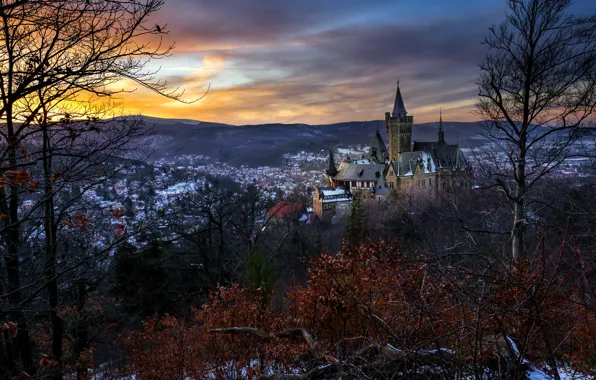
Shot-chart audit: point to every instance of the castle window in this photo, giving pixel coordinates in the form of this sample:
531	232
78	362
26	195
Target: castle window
391	185
430	182
423	183
418	183
444	184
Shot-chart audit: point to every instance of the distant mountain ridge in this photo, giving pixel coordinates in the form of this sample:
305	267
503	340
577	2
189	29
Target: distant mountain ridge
265	144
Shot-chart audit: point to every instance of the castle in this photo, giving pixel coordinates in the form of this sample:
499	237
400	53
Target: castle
410	168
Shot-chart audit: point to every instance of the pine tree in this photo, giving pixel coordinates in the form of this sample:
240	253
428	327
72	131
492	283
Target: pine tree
355	227
261	273
129	207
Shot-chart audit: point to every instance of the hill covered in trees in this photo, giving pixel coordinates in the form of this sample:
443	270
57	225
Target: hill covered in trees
265	144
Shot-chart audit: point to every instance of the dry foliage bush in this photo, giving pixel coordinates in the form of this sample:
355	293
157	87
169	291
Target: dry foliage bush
370	310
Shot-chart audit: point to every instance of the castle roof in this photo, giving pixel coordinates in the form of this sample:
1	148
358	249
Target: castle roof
332	191
448	156
378	151
381	187
399	107
359	172
409	162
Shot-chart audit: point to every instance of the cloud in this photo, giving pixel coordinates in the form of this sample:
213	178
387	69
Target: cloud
326	61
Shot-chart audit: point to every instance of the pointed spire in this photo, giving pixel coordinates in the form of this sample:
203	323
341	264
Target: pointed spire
331	169
441	132
399	108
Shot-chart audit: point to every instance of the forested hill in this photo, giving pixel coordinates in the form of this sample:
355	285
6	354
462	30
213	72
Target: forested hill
264	144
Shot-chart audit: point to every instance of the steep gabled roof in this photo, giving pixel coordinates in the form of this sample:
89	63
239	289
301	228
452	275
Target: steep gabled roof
381	187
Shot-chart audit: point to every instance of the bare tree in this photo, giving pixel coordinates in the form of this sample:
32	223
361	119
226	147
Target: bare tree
537	91
57	58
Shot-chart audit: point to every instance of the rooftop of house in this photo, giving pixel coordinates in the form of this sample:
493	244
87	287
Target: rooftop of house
286	210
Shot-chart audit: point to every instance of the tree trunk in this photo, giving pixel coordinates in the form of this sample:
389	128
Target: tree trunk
8	362
82	335
519	209
12	238
51	233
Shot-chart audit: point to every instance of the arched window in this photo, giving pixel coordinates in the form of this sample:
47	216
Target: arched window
444	184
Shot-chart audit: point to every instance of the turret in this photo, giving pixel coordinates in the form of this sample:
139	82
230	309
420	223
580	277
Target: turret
441	132
331	169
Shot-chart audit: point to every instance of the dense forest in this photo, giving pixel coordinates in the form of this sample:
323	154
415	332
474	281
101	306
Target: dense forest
224	281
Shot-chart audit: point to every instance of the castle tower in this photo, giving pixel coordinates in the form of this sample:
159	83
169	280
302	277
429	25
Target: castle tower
331	169
399	127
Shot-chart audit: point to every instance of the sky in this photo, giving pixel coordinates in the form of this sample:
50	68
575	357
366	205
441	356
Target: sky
322	61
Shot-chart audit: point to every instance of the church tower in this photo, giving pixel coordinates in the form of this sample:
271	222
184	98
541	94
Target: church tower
399	128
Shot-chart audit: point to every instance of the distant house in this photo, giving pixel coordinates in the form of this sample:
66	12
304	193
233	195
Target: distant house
120	187
177	190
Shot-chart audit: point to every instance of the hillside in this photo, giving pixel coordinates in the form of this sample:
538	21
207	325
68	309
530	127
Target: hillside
264	144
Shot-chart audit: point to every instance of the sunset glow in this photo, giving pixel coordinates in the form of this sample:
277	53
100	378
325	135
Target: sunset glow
320	61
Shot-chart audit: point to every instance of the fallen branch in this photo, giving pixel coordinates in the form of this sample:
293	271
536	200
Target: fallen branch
241	330
298	331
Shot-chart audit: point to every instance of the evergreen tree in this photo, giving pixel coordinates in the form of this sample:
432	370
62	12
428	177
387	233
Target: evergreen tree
128	206
76	191
260	273
101	191
355	227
